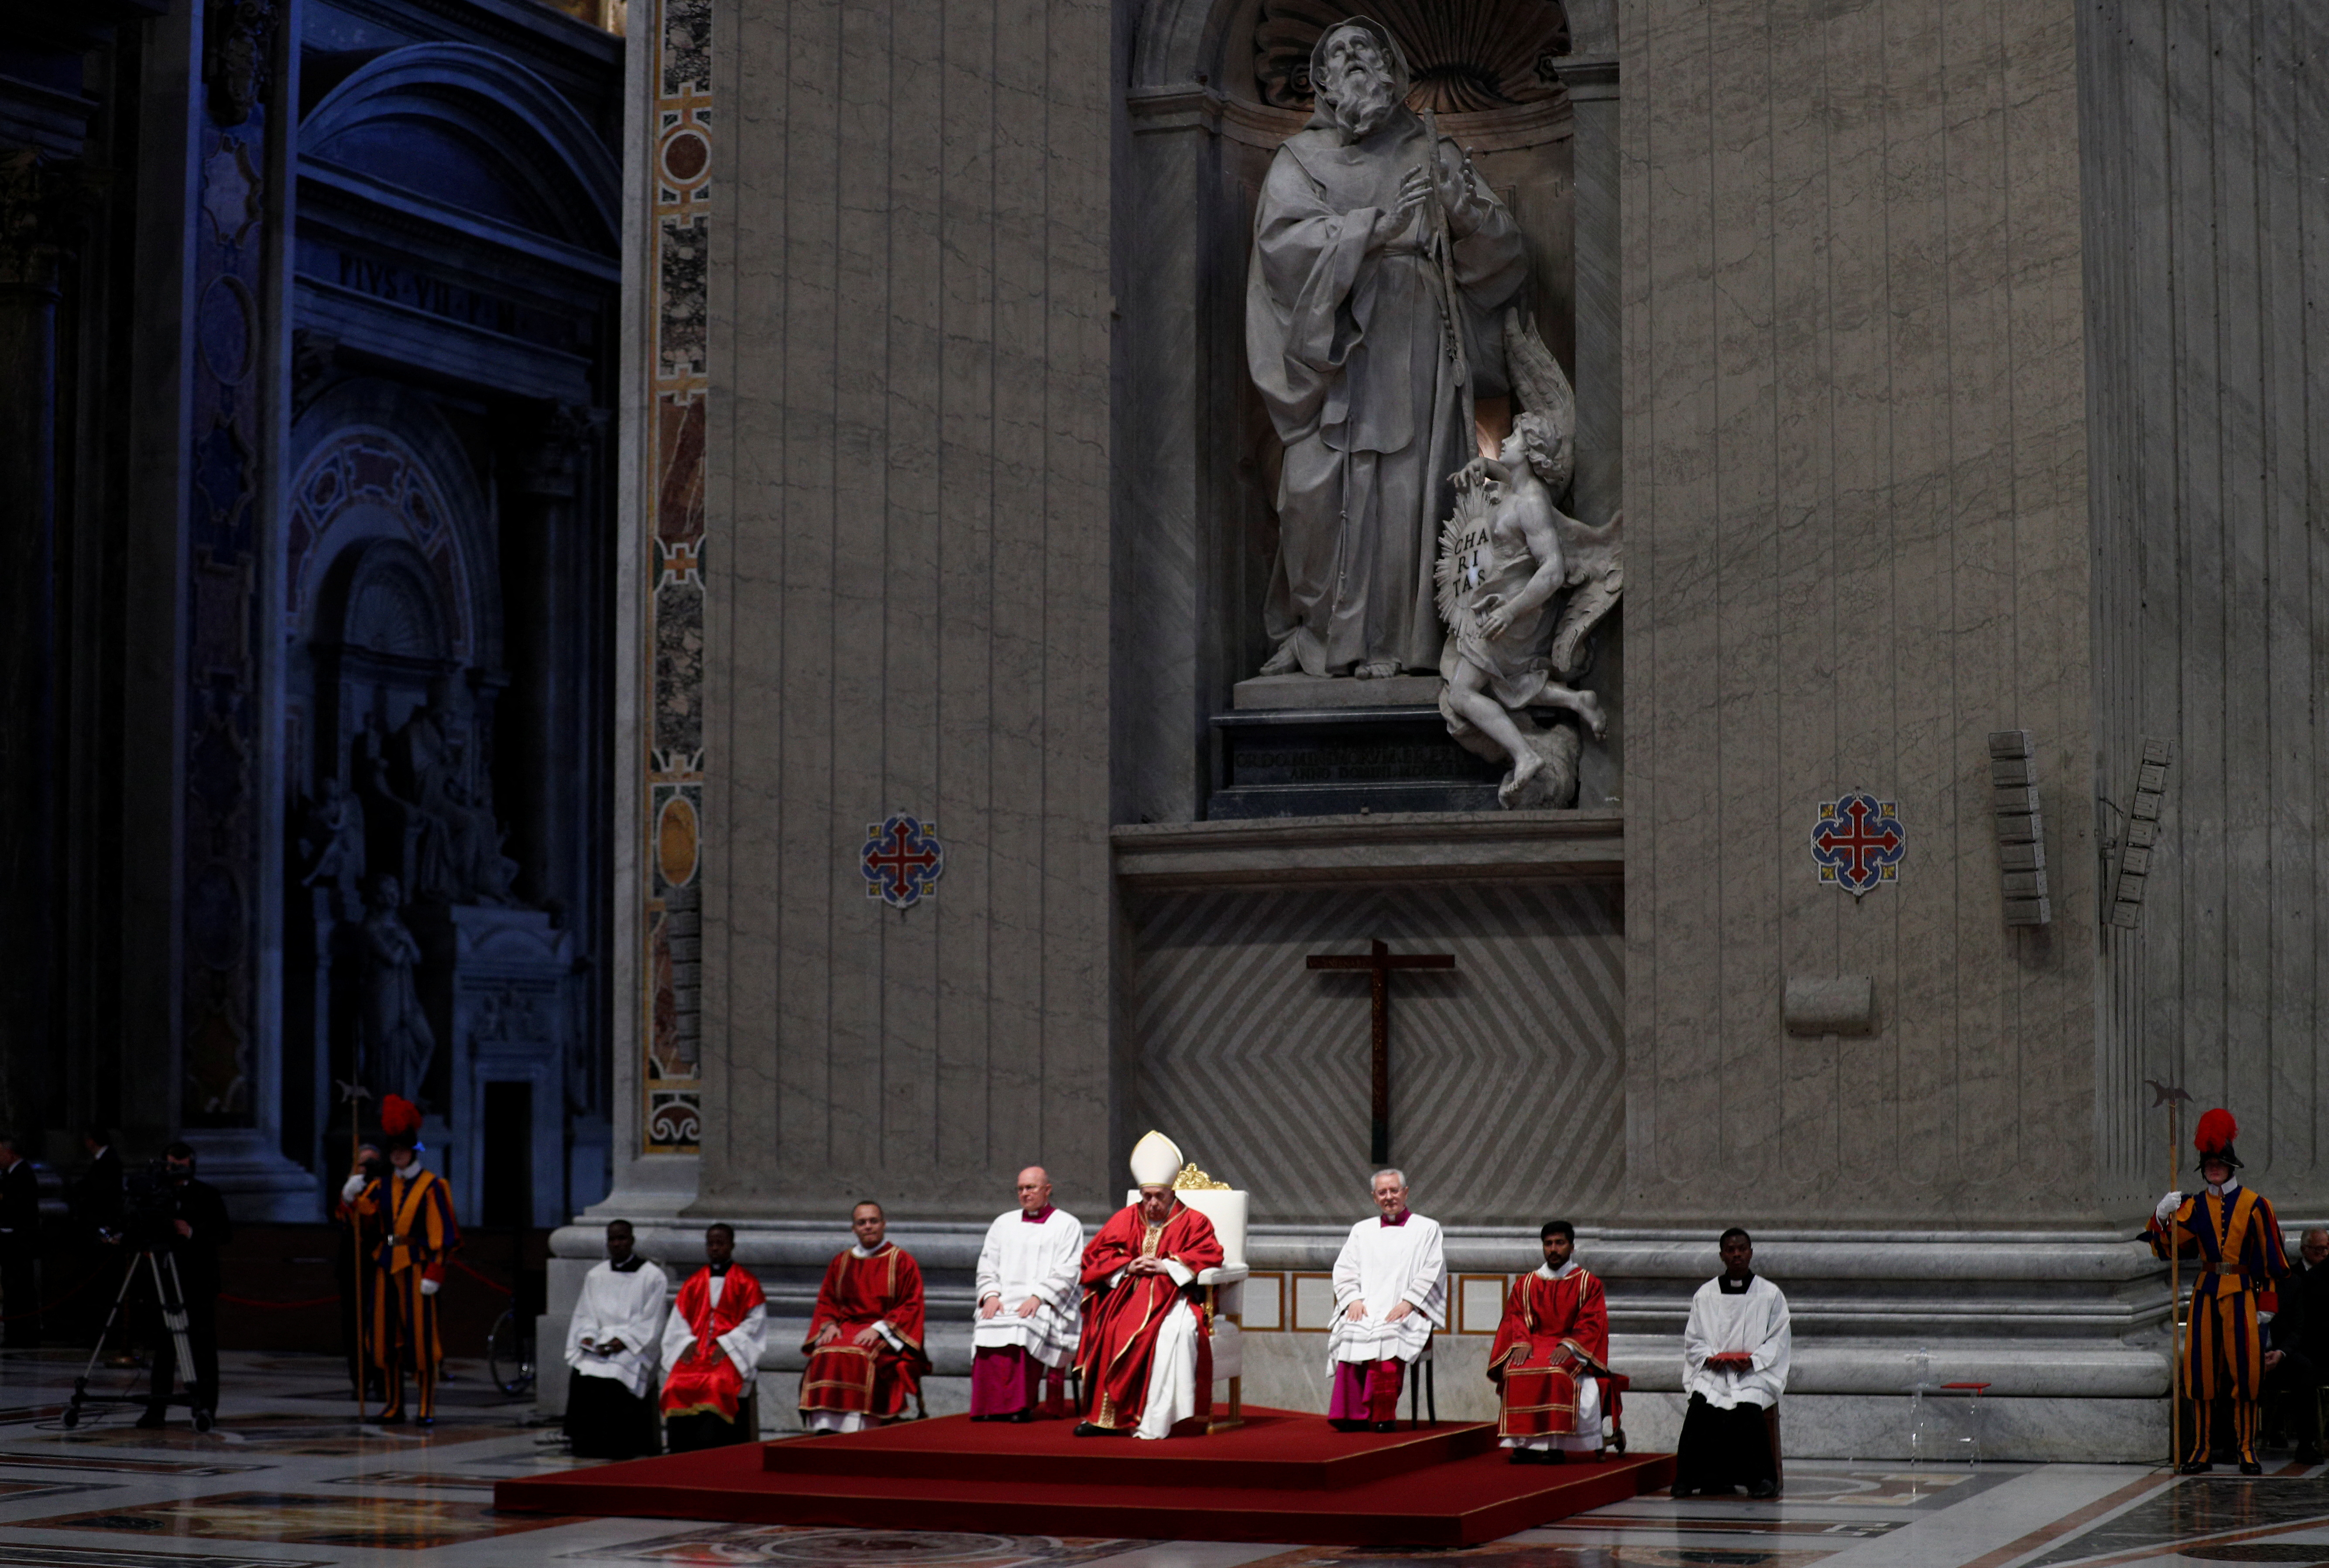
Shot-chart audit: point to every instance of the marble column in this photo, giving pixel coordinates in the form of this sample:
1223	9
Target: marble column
28	203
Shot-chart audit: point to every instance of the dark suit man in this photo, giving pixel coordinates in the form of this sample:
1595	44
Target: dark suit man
2299	1355
20	1246
202	1229
95	1205
95	1198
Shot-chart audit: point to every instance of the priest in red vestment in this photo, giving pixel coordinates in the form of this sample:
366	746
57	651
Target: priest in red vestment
864	1343
1550	1349
712	1345
1146	1352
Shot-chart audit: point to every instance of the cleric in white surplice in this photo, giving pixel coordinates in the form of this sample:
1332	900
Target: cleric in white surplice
1390	1292
1736	1350
1030	1293
611	1344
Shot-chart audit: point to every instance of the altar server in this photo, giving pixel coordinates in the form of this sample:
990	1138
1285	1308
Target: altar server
1390	1292
1553	1340
1147	1353
611	1346
1734	1352
864	1342
712	1345
413	1208
1023	1331
2234	1234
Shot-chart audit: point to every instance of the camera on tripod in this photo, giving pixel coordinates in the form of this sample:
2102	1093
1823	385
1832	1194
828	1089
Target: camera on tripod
150	1209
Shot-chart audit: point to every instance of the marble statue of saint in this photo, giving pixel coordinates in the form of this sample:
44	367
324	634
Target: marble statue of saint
457	849
1522	584
332	840
399	1044
1379	268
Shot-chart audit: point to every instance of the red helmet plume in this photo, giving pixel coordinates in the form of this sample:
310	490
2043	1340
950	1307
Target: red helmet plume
400	1118
2213	1137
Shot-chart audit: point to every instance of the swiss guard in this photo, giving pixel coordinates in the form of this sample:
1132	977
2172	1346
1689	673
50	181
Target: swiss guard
412	1208
2235	1235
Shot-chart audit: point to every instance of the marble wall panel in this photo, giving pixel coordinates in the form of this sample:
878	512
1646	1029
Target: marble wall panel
2207	253
1507	1088
1855	510
908	453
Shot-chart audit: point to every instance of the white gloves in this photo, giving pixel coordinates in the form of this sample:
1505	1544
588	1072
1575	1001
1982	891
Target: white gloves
2167	1207
351	1189
428	1287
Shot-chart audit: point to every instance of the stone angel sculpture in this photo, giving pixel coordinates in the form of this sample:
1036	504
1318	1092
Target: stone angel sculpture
1522	585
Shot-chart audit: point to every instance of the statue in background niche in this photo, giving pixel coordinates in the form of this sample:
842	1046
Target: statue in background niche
1505	555
399	1045
420	771
1381	267
332	842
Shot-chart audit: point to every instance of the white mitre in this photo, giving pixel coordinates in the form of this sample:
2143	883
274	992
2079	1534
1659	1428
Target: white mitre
1155	1161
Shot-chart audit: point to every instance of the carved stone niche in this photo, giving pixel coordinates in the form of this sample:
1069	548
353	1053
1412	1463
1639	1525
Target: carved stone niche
1211	108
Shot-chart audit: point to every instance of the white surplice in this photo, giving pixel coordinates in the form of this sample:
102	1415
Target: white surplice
1044	1260
743	1342
1383	1265
619	1304
1754	1321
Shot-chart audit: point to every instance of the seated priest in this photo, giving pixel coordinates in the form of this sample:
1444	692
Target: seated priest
610	1346
1390	1292
1023	1329
1734	1352
712	1345
1551	1349
864	1342
1147	1353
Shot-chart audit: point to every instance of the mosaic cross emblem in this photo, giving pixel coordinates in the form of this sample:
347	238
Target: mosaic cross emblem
903	860
1858	841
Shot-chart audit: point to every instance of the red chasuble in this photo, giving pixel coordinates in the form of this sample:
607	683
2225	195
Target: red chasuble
846	1377
1554	1331
1121	1325
704	1381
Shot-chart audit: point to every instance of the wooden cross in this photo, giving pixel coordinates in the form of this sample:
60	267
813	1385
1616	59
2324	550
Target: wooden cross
1378	963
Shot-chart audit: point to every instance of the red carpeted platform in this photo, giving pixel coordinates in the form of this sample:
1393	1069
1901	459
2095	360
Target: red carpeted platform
1281	1477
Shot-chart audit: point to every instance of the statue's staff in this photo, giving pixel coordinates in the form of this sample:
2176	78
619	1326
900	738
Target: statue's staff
1451	301
355	1093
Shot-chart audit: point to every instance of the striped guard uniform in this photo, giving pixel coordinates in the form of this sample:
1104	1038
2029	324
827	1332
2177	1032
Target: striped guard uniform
421	1234
2236	1238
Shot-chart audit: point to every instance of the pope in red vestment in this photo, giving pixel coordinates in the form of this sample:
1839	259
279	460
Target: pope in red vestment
864	1341
712	1345
1553	1341
1147	1353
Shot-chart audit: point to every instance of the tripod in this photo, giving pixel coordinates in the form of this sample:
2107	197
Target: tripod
164	1267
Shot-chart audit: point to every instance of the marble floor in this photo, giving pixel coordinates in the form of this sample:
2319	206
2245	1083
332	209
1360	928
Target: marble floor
292	1476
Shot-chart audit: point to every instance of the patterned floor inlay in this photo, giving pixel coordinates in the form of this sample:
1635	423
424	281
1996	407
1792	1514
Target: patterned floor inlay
401	1523
117	1464
1499	1555
426	1481
18	1555
1692	1523
282	1436
13	1491
2200	1511
801	1546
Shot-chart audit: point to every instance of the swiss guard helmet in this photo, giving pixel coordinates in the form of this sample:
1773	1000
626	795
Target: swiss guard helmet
2213	1138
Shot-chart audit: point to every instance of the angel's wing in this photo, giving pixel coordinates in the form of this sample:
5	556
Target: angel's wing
1597	579
1542	389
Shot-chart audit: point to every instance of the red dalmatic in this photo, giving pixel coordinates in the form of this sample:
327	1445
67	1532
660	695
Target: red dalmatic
1121	1325
705	1380
880	1379
1553	1332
